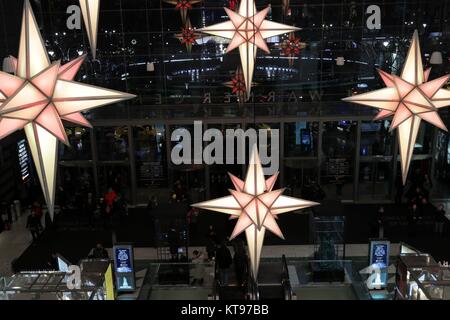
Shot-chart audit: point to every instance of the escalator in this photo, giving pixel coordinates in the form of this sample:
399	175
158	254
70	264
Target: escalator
273	284
273	281
231	291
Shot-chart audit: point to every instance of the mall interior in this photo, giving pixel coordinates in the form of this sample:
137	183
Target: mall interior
90	183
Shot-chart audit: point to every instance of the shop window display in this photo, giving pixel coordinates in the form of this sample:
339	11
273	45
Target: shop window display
338	154
80	145
151	155
112	143
301	139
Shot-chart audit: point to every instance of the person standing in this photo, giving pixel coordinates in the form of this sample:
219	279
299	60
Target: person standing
173	240
2	224
110	198
105	213
90	207
191	218
4	216
381	222
240	262
33	223
212	243
99	252
224	261
440	220
198	268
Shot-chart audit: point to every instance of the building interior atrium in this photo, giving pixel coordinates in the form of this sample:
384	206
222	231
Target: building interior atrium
224	150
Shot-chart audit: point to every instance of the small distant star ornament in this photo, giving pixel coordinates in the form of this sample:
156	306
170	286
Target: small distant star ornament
40	96
237	85
292	47
410	98
256	206
183	6
188	36
247	30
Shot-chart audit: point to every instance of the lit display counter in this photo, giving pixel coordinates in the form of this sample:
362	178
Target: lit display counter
96	284
419	277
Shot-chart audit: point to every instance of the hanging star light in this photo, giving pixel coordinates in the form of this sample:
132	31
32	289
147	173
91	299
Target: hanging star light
256	206
183	6
90	10
410	98
292	47
40	96
188	36
247	30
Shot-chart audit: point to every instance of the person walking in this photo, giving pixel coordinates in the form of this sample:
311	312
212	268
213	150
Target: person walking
224	261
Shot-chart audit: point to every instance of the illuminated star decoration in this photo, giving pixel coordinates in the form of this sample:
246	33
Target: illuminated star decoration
292	47
237	85
247	30
188	36
256	205
183	6
40	96
410	98
90	10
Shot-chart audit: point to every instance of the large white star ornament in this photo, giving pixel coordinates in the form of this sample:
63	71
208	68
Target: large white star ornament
410	98
247	30
256	205
40	96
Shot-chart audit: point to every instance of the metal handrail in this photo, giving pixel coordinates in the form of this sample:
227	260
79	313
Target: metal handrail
285	281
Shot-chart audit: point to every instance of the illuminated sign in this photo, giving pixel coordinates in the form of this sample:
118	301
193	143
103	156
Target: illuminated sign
124	267
24	160
379	260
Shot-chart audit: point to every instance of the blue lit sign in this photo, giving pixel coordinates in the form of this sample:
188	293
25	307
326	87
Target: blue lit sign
124	268
379	259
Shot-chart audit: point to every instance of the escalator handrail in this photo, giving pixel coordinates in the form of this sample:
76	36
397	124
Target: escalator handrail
252	284
285	281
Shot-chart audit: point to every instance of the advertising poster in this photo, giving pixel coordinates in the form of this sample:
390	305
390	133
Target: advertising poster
109	284
124	267
379	260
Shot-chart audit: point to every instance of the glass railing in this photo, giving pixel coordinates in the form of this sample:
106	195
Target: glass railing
178	281
327	278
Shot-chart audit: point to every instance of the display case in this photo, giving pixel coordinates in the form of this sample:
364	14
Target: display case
329	247
419	277
50	285
95	276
